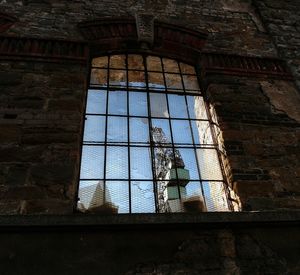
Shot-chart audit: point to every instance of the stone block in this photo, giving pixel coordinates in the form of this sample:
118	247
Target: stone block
246	189
21	193
64	105
52	173
10	133
10	78
9	207
17	175
47	206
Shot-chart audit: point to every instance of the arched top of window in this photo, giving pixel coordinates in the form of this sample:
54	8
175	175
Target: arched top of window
124	34
149	143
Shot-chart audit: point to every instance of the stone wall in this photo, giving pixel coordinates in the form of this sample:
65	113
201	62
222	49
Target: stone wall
42	101
282	20
42	98
41	113
260	131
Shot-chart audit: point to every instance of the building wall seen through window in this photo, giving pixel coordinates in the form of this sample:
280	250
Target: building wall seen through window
148	145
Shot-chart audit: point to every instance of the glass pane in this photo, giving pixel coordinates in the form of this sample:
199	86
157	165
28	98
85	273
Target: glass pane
177	106
91	195
140	163
215	197
202	132
170	65
156	81
135	62
139	130
136	79
117	78
187	69
117	103
117	162
158	103
96	102
117	129
94	129
100	62
98	77
154	63
142	197
194	202
117	61
209	166
190	82
173	81
181	131
196	107
161	131
190	164
138	104
117	196
92	162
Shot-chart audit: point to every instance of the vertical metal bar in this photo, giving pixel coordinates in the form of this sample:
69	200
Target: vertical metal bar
171	131
128	131
193	140
105	135
152	152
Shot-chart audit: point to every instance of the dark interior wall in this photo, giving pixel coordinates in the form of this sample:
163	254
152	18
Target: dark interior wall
154	250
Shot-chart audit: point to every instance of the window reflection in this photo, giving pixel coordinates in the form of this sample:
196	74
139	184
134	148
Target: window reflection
148	144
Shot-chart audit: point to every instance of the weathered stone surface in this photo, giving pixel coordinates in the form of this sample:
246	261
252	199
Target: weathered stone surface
44	174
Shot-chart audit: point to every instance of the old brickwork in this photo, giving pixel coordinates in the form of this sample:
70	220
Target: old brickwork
282	20
44	69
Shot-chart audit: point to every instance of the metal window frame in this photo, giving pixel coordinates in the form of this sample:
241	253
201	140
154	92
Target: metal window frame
151	145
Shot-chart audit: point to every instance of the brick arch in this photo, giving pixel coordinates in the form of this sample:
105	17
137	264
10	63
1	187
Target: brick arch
106	35
6	21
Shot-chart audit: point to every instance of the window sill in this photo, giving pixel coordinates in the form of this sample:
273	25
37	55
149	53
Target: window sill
211	219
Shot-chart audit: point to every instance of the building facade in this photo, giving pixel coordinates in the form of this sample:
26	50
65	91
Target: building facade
247	58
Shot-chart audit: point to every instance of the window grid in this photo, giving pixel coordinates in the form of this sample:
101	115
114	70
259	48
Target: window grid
150	144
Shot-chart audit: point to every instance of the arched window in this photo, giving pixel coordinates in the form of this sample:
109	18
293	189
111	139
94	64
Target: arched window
148	143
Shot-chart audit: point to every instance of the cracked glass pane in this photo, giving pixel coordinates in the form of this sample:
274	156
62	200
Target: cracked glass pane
140	163
142	197
139	130
117	162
